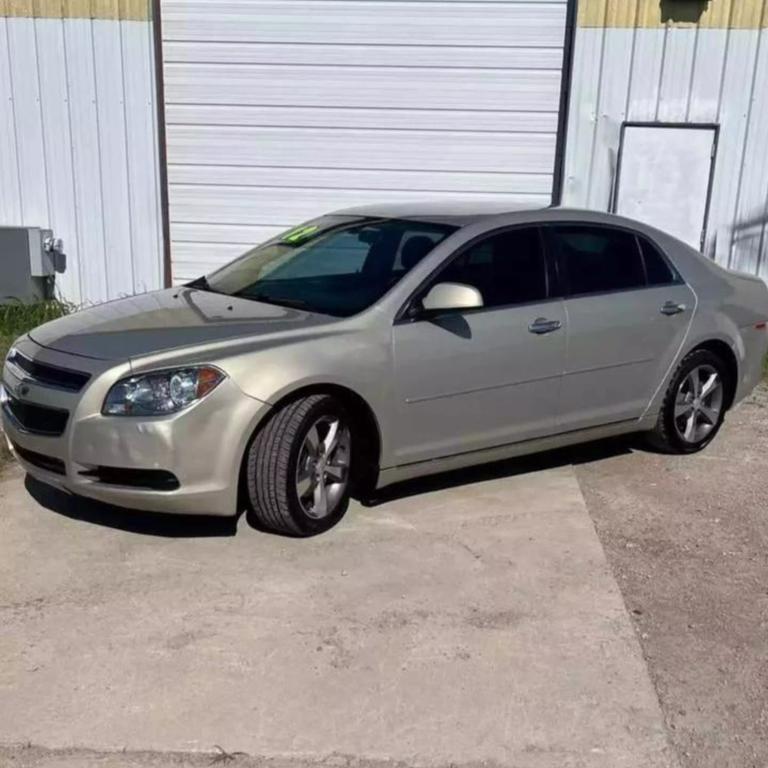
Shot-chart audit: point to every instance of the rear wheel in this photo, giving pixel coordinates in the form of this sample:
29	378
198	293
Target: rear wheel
694	405
298	467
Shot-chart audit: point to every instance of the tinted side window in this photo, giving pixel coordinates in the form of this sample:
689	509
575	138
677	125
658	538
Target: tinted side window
597	259
507	268
656	267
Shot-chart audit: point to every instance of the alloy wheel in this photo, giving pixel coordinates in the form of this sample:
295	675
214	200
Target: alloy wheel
322	471
698	404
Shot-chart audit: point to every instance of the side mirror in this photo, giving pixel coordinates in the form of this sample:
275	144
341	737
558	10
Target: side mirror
450	296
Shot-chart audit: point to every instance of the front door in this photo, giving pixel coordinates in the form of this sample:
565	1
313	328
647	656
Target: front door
485	377
664	178
628	313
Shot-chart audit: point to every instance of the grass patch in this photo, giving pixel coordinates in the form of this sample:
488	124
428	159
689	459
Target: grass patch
16	319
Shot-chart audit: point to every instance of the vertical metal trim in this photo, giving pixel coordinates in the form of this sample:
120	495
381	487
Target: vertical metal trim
157	38
565	101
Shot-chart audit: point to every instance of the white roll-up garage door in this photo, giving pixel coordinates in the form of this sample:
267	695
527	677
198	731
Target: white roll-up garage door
280	110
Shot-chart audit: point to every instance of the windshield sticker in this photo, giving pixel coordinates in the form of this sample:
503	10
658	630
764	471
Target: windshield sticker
300	234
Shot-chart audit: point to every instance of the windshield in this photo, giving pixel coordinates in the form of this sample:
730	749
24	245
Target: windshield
335	265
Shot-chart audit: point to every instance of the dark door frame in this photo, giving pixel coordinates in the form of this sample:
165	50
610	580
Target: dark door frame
566	78
162	151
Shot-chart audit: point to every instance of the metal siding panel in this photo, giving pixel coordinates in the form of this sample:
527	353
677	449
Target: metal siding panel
140	135
194	259
29	131
63	149
707	77
647	62
737	14
228	205
361	149
372	117
734	111
81	83
380	87
58	151
10	191
384	180
186	232
675	86
113	157
366	23
582	121
616	66
749	228
253	52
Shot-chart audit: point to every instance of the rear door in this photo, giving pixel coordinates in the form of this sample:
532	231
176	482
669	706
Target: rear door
627	313
468	380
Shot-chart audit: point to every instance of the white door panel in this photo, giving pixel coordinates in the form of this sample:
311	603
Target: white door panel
664	177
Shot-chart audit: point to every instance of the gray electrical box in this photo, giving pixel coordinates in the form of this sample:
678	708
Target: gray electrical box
30	257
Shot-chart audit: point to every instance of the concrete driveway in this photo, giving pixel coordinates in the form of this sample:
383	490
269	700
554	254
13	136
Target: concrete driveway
451	626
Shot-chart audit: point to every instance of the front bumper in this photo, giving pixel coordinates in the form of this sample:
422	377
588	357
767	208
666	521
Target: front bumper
202	446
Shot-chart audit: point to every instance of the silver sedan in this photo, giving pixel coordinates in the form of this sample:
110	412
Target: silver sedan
374	345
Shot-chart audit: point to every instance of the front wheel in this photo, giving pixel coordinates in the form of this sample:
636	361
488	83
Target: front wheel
694	405
298	467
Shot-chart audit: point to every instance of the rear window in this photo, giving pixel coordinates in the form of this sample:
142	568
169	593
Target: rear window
596	259
657	268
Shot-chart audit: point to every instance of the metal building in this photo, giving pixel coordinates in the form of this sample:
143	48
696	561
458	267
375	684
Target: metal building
78	138
160	138
669	120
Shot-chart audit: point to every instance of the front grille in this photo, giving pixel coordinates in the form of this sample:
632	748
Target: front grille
48	463
50	375
150	479
37	418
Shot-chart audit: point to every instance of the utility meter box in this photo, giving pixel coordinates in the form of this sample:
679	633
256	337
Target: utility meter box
30	257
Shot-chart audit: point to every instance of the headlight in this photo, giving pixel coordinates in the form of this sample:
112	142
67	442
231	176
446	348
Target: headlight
157	394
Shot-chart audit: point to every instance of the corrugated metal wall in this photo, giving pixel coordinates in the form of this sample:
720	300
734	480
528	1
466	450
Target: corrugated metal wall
281	110
78	146
645	60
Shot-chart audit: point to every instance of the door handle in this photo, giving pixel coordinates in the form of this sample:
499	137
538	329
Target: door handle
672	308
541	325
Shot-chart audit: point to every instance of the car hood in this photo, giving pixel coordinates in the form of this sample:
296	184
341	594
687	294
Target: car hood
164	320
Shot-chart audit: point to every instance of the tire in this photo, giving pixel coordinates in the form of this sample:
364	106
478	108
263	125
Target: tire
290	457
674	431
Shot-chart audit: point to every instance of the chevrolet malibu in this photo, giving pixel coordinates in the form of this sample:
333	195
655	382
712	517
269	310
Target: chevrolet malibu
378	344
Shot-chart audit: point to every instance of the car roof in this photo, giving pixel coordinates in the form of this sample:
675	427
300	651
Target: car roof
460	212
489	210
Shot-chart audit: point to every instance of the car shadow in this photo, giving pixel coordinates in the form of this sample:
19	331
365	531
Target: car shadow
199	526
131	520
584	453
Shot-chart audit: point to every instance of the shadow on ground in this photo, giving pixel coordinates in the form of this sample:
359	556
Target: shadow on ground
131	520
197	526
578	454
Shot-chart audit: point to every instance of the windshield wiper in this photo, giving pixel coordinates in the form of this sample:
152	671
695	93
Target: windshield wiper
280	301
202	284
